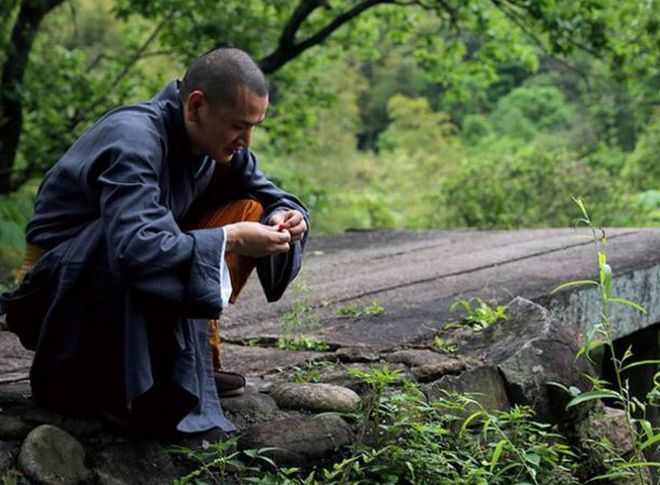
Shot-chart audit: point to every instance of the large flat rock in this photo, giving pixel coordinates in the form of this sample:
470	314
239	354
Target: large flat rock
417	275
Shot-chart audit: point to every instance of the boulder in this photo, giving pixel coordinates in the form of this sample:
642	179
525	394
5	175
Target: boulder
609	424
136	461
532	349
484	384
51	455
299	440
13	427
315	397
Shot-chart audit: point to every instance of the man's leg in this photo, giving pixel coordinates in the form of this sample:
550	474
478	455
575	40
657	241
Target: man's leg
240	267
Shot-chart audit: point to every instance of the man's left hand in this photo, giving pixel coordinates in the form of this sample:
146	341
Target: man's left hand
292	221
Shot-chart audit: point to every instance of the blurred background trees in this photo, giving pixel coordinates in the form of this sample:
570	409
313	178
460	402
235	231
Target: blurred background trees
384	113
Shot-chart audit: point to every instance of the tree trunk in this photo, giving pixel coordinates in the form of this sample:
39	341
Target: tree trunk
13	71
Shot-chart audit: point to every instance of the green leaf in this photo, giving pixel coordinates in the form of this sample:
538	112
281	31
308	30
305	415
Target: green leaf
605	277
533	458
629	303
591	395
469	419
649	442
640	363
571	284
496	454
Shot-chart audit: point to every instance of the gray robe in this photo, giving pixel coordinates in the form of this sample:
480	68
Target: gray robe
117	308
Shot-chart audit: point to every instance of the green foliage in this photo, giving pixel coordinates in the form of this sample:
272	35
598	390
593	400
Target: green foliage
310	371
478	314
530	187
15	211
641	431
529	109
642	167
428	443
300	319
414	127
373	309
443	346
300	343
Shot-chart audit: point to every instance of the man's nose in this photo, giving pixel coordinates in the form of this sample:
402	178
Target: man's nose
246	137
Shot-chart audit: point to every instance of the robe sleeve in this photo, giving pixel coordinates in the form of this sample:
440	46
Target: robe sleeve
146	247
277	271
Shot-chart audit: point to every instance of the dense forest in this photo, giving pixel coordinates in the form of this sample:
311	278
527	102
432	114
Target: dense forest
384	114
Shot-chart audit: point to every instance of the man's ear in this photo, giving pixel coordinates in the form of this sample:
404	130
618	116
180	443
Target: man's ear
192	104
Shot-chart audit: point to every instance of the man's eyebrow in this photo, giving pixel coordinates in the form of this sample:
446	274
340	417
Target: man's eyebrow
250	123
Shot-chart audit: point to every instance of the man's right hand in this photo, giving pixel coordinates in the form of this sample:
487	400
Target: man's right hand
255	239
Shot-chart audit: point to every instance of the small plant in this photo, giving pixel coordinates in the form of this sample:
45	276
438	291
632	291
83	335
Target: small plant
374	309
298	320
443	346
301	343
643	435
221	460
477	313
310	372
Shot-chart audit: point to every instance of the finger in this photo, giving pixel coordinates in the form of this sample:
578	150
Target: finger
277	218
282	237
293	218
281	248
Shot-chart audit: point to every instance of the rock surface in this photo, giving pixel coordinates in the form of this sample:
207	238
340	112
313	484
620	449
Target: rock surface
249	408
135	461
532	349
51	455
299	441
13	427
315	397
484	384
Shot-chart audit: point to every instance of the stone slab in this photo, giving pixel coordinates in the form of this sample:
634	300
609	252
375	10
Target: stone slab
417	275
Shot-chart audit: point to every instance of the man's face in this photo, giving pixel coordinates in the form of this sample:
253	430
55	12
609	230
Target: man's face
221	131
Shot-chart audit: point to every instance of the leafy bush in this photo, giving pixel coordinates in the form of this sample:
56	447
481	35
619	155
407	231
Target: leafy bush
642	169
531	187
529	109
15	211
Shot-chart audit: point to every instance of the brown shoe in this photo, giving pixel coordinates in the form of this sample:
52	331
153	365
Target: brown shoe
229	384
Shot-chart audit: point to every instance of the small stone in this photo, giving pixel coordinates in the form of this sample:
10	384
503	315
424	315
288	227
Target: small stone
299	440
51	455
431	372
315	397
253	402
414	358
356	354
13	427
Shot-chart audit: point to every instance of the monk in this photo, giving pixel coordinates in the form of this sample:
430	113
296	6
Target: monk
142	233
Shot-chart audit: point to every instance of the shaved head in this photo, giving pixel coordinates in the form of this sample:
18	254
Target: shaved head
219	74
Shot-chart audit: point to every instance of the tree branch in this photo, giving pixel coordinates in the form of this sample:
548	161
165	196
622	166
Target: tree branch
287	51
28	19
139	54
300	14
